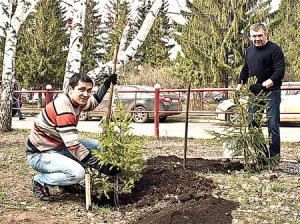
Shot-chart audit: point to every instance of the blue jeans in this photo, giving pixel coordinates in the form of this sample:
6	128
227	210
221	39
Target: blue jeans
59	167
20	115
273	115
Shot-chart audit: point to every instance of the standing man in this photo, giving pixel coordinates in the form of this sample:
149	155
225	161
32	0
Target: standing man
17	101
53	147
265	60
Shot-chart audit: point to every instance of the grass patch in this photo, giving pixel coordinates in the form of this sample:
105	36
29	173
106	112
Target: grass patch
278	187
2	192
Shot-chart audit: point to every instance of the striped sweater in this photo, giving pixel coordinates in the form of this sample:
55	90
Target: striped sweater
55	126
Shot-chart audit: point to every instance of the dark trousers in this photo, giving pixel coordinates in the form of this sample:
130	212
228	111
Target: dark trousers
273	119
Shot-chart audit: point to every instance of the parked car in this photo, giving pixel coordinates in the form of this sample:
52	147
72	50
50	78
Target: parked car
139	104
214	96
290	103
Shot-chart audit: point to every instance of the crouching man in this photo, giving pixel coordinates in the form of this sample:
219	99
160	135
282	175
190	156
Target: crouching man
53	147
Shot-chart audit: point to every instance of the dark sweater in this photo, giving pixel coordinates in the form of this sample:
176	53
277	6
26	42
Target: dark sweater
265	62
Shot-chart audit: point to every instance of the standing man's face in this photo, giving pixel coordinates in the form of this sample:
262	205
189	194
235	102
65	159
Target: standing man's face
258	38
81	93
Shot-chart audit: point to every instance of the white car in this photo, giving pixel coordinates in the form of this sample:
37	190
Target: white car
289	107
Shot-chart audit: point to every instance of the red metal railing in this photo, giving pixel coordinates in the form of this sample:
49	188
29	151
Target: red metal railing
48	96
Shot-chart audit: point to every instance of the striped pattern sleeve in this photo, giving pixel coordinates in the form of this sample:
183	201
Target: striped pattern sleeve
66	123
55	128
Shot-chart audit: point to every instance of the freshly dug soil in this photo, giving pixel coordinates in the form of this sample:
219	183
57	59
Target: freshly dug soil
186	195
205	211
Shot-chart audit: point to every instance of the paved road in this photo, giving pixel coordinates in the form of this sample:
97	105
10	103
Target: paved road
169	128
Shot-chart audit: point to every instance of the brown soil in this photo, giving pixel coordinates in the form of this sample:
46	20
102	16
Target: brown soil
187	196
208	210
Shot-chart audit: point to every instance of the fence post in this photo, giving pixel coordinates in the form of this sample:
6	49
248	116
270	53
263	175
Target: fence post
48	94
156	109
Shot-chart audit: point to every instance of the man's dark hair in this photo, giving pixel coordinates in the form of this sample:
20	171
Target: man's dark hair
79	77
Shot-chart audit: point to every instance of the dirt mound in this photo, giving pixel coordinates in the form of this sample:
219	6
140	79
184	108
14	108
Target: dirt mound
187	195
206	211
169	182
196	164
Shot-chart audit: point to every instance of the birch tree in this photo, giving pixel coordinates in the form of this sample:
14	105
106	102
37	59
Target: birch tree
76	40
135	44
18	11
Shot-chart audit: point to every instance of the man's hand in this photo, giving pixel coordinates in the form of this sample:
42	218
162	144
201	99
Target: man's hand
111	79
268	83
107	169
257	88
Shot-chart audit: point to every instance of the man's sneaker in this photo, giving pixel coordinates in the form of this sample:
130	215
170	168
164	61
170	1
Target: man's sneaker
74	189
40	191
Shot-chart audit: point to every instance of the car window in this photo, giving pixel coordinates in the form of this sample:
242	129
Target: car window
124	95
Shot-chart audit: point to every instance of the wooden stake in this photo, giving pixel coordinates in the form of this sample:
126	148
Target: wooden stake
111	89
88	201
186	123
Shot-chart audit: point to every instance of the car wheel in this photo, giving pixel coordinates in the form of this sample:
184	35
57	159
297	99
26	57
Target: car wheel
162	119
83	116
232	118
141	115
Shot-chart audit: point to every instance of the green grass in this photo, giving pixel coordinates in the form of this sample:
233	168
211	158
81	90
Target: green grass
278	187
2	192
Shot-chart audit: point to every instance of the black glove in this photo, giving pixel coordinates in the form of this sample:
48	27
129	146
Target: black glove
257	88
111	79
106	169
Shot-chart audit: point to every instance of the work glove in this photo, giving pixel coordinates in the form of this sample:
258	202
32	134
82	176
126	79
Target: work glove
111	79
257	88
106	169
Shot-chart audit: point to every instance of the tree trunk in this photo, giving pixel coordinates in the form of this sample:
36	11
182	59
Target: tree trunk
134	45
76	41
22	11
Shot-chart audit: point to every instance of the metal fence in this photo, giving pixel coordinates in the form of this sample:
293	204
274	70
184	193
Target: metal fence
203	101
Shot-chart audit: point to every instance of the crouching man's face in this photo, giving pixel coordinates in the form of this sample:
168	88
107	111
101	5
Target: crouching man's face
80	94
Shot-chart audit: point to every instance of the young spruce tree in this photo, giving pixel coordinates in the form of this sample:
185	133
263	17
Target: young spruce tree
121	149
245	137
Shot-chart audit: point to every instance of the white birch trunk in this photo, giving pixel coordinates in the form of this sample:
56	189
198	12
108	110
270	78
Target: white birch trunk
124	38
24	8
131	22
143	32
76	41
136	43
